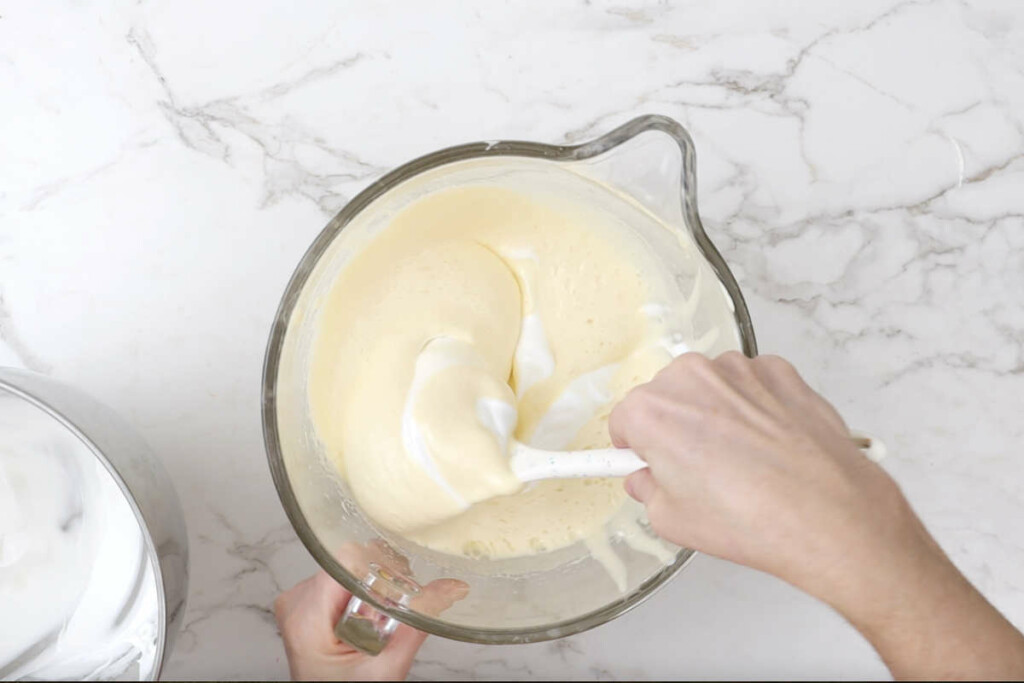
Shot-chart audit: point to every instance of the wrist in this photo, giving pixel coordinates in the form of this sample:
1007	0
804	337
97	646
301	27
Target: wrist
890	569
861	551
901	586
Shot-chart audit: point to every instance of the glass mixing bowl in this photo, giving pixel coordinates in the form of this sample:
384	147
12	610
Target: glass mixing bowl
642	174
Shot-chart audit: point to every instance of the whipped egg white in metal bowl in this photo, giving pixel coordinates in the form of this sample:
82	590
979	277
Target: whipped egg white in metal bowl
93	549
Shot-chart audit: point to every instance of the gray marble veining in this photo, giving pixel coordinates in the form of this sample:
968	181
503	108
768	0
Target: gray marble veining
861	165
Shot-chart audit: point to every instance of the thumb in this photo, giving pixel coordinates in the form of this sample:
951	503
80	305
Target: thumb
641	485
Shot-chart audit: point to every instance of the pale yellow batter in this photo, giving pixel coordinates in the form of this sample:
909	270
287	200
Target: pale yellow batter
557	310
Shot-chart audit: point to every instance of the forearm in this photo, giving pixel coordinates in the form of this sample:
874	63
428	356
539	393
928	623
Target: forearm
945	629
926	620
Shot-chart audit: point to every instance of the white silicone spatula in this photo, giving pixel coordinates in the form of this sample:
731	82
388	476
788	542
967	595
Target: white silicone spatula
534	464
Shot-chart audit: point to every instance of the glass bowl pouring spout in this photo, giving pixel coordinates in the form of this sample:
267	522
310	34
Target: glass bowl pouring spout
652	159
644	169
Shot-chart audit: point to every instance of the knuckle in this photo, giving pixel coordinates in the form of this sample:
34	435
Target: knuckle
648	404
735	362
633	406
777	365
687	365
732	358
642	407
628	403
623	415
692	359
661	416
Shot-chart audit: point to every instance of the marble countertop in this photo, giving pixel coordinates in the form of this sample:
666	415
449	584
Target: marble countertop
163	166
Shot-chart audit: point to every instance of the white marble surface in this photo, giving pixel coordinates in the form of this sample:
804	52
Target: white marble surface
163	165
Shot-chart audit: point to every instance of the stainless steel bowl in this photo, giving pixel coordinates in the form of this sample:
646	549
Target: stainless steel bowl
141	479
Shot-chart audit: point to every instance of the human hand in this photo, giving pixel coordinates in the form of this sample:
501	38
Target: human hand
748	463
307	613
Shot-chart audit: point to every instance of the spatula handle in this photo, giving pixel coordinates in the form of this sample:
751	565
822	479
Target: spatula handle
531	464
